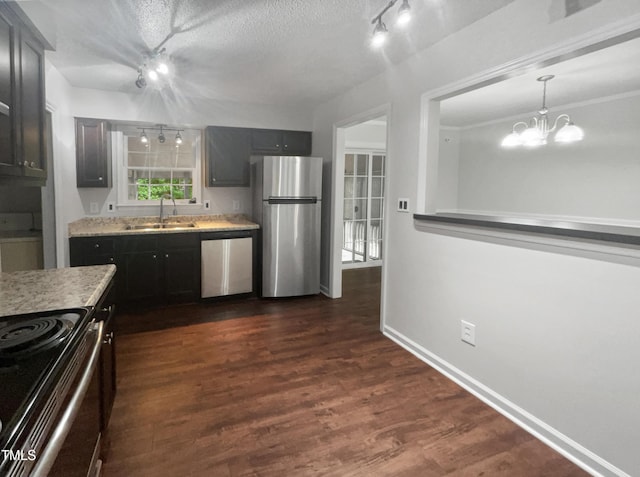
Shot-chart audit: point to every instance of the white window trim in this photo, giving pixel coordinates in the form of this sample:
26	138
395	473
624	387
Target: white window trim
120	173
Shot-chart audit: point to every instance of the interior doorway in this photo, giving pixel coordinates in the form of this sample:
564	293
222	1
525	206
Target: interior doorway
365	154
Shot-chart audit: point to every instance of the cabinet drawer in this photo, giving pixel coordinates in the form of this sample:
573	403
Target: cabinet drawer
180	241
139	244
96	245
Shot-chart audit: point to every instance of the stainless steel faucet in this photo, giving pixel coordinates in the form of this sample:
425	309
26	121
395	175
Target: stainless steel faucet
175	210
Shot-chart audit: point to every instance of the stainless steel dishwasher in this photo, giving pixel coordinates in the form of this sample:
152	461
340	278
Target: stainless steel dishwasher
227	263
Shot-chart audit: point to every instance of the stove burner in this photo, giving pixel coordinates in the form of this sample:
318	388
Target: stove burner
32	335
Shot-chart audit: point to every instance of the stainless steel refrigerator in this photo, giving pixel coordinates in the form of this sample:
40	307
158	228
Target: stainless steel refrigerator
287	198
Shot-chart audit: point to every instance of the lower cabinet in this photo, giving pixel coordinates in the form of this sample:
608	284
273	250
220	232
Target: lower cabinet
180	267
108	371
107	366
151	268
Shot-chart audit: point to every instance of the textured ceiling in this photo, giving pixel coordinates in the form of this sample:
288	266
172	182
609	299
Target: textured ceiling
287	52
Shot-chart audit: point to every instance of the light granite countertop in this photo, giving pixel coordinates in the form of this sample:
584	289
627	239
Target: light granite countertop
93	226
53	289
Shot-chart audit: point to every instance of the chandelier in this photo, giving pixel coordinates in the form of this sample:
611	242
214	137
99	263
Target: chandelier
535	133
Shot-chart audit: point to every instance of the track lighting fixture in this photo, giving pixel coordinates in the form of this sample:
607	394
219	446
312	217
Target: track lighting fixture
380	30
162	128
154	67
535	133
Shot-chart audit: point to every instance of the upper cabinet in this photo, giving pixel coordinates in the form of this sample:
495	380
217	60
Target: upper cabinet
22	99
93	153
287	143
228	150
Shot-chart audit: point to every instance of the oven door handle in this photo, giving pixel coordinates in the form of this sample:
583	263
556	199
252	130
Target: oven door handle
50	452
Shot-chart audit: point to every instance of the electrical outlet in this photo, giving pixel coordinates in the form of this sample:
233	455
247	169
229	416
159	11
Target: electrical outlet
111	207
207	204
236	205
403	205
93	208
468	332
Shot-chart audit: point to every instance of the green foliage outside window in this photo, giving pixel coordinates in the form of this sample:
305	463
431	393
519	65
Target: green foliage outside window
154	189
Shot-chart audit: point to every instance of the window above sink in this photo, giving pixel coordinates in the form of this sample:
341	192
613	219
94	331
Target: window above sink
158	165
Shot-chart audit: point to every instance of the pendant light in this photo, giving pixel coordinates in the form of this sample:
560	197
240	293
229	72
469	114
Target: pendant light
537	130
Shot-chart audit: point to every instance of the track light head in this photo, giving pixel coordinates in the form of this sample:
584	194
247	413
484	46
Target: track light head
143	137
379	33
141	82
178	138
404	13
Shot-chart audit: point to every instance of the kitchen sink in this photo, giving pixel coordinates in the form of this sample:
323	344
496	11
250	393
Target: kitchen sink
158	225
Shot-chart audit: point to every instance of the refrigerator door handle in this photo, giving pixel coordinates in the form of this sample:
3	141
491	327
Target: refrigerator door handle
292	200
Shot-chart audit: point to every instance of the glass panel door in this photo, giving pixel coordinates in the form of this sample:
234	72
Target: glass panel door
363	207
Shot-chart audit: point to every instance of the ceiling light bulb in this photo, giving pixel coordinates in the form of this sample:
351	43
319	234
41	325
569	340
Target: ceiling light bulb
161	138
162	68
153	75
569	133
532	136
404	13
512	140
143	137
379	34
178	138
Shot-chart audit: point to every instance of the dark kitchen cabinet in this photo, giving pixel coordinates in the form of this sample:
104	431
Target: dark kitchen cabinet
32	122
105	312
227	152
22	99
7	94
273	141
93	153
151	268
181	255
141	265
108	369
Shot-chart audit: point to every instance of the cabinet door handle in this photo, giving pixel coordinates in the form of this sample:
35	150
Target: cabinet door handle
166	255
97	245
111	259
100	178
154	256
213	179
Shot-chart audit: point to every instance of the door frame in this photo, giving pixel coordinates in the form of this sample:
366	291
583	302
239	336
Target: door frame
337	190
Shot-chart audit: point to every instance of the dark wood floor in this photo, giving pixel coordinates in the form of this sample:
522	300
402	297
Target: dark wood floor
299	387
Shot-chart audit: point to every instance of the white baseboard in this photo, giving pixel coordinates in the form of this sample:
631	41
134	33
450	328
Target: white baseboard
573	451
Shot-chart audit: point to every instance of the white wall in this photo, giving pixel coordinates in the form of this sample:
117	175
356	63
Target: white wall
554	327
596	178
69	102
370	135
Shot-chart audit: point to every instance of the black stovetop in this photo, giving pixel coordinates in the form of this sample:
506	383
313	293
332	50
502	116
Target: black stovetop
34	351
